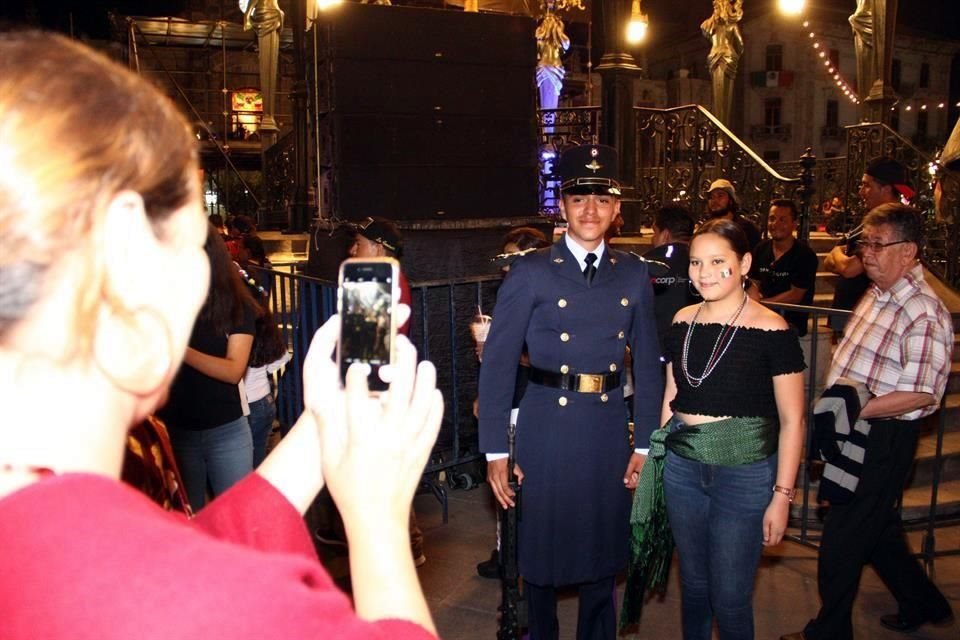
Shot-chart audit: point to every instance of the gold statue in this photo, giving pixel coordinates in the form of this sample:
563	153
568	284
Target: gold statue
551	43
861	22
723	31
263	16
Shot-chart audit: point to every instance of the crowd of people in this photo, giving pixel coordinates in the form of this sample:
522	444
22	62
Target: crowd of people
122	302
727	432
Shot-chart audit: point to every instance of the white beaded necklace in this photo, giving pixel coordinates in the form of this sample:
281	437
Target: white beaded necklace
717	354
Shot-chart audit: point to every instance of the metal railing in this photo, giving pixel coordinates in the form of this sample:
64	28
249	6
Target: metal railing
866	141
441	315
680	151
829	180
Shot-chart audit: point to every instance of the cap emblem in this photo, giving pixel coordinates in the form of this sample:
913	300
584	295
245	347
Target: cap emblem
594	165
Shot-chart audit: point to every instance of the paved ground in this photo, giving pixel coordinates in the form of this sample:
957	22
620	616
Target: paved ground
464	605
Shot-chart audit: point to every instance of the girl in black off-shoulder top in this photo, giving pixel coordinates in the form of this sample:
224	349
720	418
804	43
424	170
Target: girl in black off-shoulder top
733	403
742	383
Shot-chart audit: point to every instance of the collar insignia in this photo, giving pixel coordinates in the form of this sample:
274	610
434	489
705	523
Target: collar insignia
558	260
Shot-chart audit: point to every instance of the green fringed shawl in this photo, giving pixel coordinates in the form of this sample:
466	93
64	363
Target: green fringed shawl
731	441
727	442
651	543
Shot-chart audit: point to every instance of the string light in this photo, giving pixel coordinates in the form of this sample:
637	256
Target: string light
821	49
922	107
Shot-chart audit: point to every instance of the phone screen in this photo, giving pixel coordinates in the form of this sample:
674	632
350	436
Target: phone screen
366	304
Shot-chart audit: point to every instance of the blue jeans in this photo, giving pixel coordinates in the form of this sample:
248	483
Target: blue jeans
262	414
716	515
221	456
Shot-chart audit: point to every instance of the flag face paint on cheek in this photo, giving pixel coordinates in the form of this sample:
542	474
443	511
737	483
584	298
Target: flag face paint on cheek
726	273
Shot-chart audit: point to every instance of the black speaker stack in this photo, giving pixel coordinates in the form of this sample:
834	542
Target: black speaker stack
426	114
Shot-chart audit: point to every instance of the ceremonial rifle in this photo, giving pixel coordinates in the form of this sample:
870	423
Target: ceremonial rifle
510	614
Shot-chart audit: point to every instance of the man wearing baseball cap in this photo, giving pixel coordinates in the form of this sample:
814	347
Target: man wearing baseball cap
576	306
722	203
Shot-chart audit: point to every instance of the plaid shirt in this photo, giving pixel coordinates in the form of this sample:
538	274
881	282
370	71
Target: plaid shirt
898	340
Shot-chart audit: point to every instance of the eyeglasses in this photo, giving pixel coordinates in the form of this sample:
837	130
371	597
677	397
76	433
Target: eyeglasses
877	247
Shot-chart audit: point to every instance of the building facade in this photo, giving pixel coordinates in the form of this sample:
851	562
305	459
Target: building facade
792	78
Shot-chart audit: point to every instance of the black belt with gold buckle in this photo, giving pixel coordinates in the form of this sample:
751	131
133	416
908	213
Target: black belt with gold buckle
579	382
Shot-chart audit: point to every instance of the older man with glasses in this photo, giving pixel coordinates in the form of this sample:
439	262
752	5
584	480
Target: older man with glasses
898	344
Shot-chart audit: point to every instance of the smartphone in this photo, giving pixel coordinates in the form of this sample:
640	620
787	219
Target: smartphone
367	303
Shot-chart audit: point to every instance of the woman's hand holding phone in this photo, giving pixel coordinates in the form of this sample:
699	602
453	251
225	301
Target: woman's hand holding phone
373	447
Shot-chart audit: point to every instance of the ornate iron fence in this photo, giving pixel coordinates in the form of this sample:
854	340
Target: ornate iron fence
866	141
829	180
559	129
680	151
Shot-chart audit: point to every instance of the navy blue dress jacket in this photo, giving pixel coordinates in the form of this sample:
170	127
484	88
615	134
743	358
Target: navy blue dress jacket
572	447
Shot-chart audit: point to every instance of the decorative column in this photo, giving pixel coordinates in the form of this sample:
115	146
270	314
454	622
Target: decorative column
266	20
298	214
618	69
722	29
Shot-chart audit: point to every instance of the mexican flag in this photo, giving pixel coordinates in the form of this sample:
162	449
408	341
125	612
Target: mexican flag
771	78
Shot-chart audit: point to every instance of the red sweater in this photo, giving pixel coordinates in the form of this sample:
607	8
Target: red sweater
83	556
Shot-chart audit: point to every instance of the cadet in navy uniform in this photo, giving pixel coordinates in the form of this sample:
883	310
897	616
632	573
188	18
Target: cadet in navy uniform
576	305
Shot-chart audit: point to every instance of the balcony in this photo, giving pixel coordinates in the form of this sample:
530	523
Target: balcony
763	132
